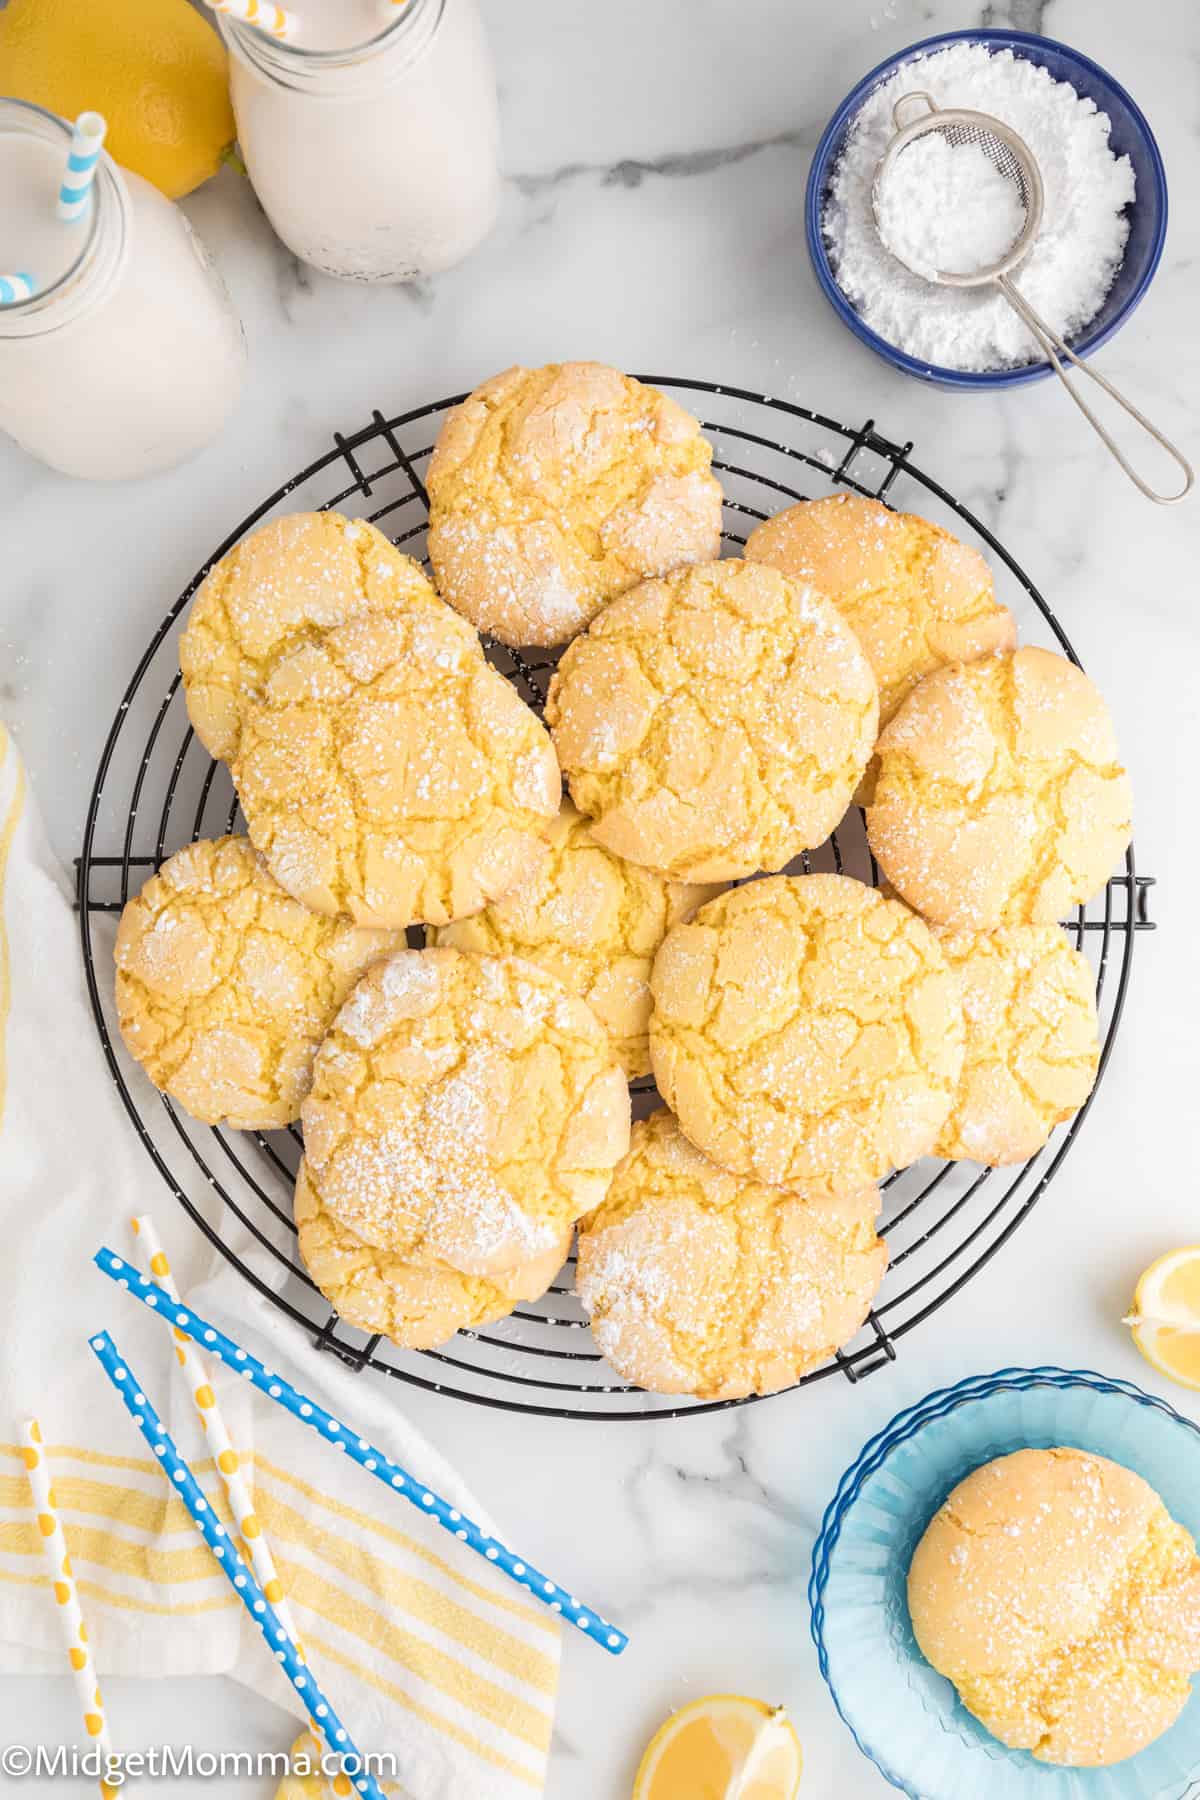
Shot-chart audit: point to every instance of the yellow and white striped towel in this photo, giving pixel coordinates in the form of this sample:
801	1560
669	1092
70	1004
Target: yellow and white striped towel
425	1650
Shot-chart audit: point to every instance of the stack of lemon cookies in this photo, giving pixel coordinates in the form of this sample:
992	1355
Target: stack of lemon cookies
464	1104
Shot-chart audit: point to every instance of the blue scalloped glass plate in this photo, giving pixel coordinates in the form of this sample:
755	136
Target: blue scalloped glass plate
903	1715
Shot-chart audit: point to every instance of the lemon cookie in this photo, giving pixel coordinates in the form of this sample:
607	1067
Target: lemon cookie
807	1031
416	1305
593	920
551	490
465	1109
1000	799
914	596
702	1282
226	985
715	722
390	773
1056	1592
1032	1044
290	579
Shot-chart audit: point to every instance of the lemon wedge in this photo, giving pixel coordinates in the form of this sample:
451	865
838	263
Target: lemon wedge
1165	1320
724	1747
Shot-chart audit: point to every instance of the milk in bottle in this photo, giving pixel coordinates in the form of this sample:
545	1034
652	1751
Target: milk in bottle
127	357
371	136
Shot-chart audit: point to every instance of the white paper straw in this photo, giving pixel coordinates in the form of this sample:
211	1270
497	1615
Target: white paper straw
66	1595
226	1457
276	21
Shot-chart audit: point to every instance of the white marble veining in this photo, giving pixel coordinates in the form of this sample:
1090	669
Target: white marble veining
656	154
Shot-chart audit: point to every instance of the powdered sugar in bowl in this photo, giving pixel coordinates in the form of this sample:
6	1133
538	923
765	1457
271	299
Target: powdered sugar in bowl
1094	276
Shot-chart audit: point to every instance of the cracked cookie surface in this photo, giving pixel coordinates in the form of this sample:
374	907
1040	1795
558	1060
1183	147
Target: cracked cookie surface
416	1305
390	773
551	490
914	596
807	1031
1032	1043
465	1109
289	580
593	920
702	1282
1055	1591
1000	799
715	722
226	985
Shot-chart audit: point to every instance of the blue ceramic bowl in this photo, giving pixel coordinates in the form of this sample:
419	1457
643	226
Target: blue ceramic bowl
906	1717
1130	136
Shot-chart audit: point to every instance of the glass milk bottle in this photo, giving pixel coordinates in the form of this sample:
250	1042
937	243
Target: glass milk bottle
127	357
371	136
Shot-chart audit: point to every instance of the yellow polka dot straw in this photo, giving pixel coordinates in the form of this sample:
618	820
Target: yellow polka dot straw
224	1455
66	1595
274	20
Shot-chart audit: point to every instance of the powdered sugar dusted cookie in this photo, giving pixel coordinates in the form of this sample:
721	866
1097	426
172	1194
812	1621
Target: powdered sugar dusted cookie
226	985
593	920
390	773
1056	1592
465	1109
913	595
715	722
552	490
291	577
1000	797
416	1305
807	1031
702	1282
1032	1044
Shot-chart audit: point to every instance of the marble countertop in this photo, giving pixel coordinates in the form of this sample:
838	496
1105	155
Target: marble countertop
656	158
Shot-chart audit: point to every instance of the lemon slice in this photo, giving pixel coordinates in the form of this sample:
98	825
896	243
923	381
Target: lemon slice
724	1747
1166	1315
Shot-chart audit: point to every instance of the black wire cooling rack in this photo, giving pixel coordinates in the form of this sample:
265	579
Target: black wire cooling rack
156	789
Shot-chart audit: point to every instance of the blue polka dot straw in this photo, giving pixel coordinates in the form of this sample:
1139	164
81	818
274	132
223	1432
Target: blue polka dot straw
345	1438
355	1777
87	141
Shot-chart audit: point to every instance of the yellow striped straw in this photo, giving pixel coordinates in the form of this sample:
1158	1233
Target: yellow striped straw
74	1628
275	20
226	1457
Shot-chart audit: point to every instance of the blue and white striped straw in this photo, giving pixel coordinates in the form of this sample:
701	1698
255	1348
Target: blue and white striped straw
87	141
14	288
240	1576
368	1457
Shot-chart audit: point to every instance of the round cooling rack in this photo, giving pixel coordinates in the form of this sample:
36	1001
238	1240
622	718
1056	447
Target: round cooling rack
156	789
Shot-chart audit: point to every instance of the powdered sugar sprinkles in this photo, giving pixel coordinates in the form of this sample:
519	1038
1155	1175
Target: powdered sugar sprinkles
1070	267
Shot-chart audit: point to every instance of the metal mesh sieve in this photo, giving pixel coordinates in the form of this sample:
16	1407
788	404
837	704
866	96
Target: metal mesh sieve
1008	154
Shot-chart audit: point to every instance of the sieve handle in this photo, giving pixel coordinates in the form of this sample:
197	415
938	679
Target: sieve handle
1055	349
898	118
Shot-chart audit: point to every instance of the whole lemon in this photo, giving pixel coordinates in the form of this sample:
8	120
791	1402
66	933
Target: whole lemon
155	68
